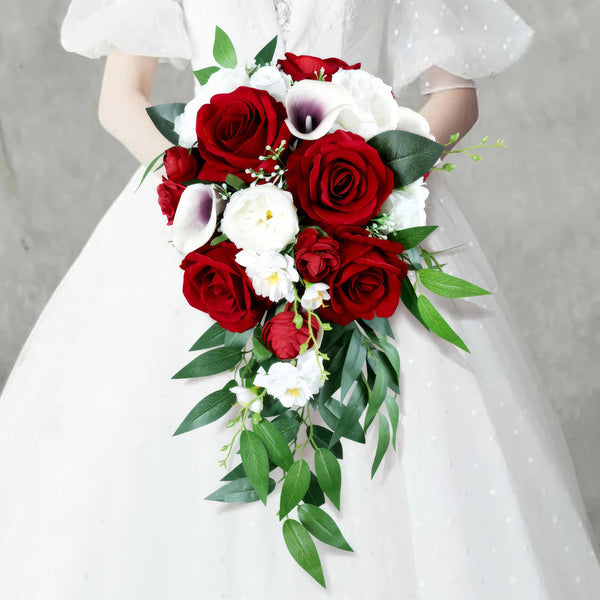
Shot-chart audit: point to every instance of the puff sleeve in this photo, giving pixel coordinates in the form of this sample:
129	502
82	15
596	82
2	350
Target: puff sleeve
142	27
466	38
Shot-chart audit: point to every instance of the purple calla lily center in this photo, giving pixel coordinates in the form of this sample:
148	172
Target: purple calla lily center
305	115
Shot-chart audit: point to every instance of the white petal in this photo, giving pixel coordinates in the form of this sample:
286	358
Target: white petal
196	217
409	120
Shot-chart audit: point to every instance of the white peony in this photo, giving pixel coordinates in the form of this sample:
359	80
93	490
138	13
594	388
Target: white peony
315	296
378	111
223	81
284	382
406	207
272	274
310	367
272	80
246	397
261	218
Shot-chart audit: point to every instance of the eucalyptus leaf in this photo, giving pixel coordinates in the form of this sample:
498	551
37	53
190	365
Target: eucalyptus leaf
393	411
413	236
265	56
414	258
223	50
238	340
163	116
276	445
322	526
256	463
203	75
354	362
295	486
329	474
376	396
303	549
235	474
378	360
213	336
438	324
448	286
379	325
383	442
238	491
210	363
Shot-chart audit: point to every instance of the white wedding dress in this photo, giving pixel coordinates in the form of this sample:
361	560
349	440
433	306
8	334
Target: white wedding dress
99	501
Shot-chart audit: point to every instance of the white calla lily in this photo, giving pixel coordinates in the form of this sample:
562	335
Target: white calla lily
196	217
410	120
314	106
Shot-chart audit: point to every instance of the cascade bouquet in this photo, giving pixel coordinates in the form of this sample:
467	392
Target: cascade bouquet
296	194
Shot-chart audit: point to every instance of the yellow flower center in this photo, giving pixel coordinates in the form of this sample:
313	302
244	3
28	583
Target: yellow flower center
274	279
294	392
269	215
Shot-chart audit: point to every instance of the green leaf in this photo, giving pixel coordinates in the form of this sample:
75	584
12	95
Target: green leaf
414	257
378	360
354	362
413	236
203	75
407	154
256	463
223	50
348	425
163	116
322	526
235	182
288	425
314	495
260	351
382	444
391	352
329	474
376	396
322	438
275	443
235	474
149	168
448	286
210	363
239	491
438	324
238	340
393	411
209	409
295	485
272	407
303	549
379	325
213	336
265	56
409	299
335	368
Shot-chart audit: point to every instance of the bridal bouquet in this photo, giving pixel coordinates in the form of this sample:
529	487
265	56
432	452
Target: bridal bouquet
296	193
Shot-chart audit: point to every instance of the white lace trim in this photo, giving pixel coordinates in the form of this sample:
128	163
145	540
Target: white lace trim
284	13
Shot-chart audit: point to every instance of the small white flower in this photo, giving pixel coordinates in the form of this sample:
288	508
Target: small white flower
272	80
284	382
272	274
406	207
310	367
261	218
246	397
315	296
223	81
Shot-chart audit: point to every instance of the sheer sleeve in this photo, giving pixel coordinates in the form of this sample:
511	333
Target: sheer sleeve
142	27
466	39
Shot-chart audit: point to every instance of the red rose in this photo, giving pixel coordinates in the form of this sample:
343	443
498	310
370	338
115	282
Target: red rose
169	193
214	283
308	67
316	256
369	278
283	338
235	129
339	179
181	164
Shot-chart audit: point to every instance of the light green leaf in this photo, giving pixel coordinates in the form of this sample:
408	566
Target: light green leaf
203	75
223	50
448	286
235	182
265	56
148	169
303	549
295	485
275	443
413	236
238	340
379	325
238	491
438	324
210	363
256	463
329	474
163	116
260	351
213	336
382	444
322	526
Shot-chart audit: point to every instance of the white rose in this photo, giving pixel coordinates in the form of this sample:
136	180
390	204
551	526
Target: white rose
378	111
310	367
406	207
223	81
261	218
410	120
272	80
272	274
284	382
246	397
315	296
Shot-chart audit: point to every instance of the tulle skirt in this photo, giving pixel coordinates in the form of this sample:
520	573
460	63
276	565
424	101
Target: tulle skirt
100	501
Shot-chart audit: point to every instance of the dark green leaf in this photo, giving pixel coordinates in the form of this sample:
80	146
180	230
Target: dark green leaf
322	438
438	324
272	407
288	425
376	396
379	325
238	340
149	168
322	526
163	116
203	75
314	495
382	444
409	299
295	485
413	236
348	425
256	463
448	286
213	336
260	351
275	443
303	549
235	474
223	50
209	409
407	154
380	361
335	368
391	352
265	56
235	182
239	491
354	362
394	413
210	363
329	474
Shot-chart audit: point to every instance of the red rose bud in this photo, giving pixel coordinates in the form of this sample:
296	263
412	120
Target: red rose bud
311	67
235	129
283	338
216	284
181	164
339	179
316	255
169	193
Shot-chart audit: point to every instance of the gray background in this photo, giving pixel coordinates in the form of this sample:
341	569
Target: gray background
535	206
